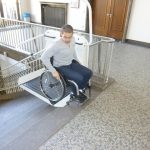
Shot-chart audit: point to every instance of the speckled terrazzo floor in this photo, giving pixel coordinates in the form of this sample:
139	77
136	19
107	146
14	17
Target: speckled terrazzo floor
119	118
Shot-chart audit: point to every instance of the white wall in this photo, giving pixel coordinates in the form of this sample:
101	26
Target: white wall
76	16
10	9
139	24
24	6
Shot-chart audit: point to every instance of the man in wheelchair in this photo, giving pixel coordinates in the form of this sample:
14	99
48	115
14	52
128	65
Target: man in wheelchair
66	63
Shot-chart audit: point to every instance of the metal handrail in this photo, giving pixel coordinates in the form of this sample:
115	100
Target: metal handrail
22	61
29	37
10	75
14	32
90	20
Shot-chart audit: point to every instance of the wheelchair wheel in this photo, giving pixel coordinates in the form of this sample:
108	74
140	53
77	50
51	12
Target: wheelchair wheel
52	88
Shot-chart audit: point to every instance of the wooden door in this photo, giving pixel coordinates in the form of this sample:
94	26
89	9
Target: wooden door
100	19
109	17
117	19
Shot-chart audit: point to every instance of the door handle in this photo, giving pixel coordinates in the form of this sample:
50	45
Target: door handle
110	15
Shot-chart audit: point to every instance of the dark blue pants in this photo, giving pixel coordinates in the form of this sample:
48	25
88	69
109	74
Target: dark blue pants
76	72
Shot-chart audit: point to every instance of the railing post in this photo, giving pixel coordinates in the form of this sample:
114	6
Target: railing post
107	63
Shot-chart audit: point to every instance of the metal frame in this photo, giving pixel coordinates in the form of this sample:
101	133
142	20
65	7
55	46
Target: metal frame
30	38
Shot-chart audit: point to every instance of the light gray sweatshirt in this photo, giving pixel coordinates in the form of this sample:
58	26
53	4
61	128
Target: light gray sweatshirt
62	53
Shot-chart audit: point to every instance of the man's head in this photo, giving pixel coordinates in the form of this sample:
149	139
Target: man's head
66	33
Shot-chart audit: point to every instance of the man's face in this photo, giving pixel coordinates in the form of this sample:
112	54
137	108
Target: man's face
66	37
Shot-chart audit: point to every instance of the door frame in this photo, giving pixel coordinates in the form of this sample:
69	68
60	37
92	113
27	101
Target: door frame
1	9
127	20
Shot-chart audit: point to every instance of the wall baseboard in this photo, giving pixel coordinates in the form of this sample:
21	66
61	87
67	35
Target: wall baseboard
138	43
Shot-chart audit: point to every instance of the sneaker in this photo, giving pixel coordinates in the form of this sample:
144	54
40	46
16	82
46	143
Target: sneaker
81	97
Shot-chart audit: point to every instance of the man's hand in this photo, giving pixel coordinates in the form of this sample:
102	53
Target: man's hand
56	75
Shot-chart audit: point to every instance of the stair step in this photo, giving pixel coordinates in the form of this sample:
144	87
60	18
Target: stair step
5	96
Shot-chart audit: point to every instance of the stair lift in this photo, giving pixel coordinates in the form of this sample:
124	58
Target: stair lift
43	85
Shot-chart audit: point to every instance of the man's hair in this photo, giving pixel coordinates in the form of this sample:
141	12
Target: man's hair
66	28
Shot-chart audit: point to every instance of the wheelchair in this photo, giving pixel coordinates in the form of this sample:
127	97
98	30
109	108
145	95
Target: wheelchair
56	90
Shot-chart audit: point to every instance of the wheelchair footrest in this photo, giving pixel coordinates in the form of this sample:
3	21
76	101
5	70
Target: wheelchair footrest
81	98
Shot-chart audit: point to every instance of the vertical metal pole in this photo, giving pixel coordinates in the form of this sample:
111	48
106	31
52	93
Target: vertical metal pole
90	19
108	61
99	58
1	8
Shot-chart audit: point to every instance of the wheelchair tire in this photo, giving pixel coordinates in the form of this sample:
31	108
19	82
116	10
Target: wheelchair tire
52	88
